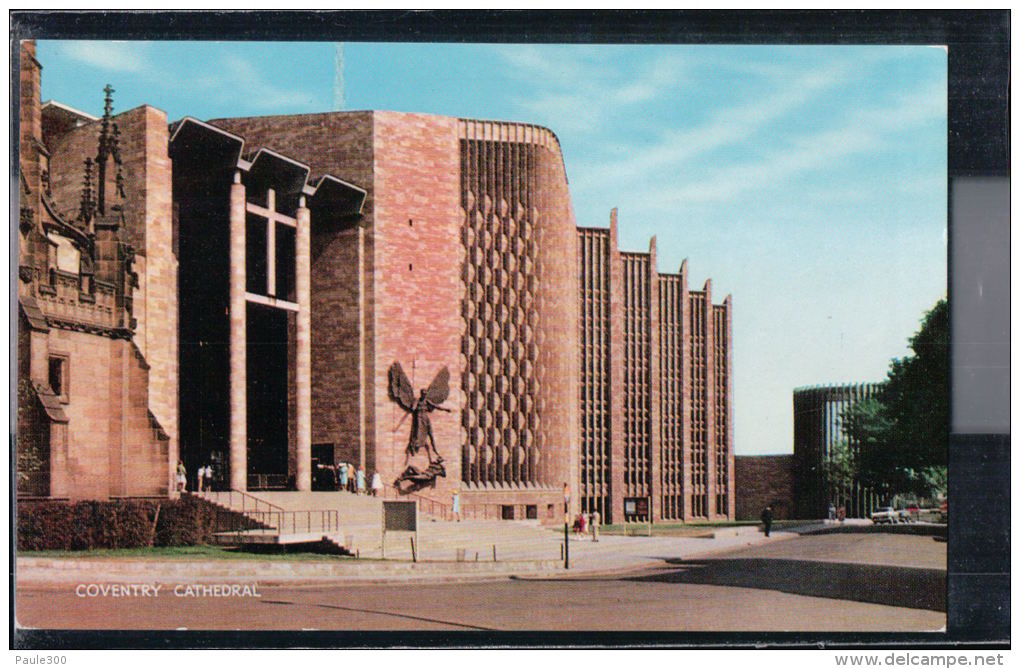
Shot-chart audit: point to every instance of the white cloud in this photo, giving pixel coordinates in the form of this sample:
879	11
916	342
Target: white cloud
235	77
730	127
113	56
579	89
867	131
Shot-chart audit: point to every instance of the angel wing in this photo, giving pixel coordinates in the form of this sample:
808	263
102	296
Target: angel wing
401	391
439	389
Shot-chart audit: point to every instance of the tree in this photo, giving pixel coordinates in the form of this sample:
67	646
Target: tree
840	470
869	429
904	433
917	395
29	460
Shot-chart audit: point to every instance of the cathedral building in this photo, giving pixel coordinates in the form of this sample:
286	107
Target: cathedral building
251	282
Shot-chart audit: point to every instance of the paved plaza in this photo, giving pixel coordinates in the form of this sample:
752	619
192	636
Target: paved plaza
854	580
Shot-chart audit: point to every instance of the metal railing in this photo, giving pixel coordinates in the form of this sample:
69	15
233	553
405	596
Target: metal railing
248	503
237	512
326	521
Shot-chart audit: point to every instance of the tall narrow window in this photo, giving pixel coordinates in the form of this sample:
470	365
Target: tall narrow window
58	376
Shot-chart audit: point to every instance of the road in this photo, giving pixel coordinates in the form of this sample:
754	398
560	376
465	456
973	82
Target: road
811	583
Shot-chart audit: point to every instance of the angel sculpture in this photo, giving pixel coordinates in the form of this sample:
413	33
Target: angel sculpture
430	399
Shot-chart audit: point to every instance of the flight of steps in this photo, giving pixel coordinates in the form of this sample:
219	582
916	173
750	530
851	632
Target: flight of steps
361	521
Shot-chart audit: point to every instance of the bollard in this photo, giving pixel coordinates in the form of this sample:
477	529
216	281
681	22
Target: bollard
476	556
493	552
561	551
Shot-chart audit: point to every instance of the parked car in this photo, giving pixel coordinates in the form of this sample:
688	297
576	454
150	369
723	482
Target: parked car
885	514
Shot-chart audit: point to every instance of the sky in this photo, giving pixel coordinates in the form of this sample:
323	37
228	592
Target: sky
809	182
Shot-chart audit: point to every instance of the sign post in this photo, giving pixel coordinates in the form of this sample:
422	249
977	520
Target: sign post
635	507
400	516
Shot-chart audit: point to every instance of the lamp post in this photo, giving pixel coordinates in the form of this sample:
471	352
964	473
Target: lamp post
566	526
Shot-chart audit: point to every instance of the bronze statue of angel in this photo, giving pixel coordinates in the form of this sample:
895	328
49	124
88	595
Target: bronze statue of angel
428	400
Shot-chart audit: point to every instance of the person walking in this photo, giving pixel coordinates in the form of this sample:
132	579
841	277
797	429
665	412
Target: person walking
596	518
766	519
182	477
832	511
456	505
360	477
376	484
207	478
343	476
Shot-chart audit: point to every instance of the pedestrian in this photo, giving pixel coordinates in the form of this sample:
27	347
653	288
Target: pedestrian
596	518
361	481
182	477
832	511
579	526
376	484
207	477
343	476
456	504
842	513
766	519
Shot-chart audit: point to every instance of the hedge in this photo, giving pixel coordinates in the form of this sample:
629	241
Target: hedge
52	525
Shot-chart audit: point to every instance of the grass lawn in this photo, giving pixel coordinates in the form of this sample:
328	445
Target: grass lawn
196	553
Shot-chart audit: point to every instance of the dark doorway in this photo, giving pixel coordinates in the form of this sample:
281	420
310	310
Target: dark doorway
202	241
267	397
324	454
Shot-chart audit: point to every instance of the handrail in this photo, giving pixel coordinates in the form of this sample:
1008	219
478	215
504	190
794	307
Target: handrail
297	520
255	500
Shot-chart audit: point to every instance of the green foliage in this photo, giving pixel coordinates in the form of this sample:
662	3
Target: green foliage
867	425
29	458
903	434
840	469
53	525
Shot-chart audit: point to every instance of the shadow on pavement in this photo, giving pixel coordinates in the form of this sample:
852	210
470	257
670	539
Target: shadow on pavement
876	584
915	529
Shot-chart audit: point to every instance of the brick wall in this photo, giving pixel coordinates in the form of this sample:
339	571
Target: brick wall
762	480
111	448
416	274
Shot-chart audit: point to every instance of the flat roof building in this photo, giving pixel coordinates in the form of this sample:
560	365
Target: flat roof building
818	429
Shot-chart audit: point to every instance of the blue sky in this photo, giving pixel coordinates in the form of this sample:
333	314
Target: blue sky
809	182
